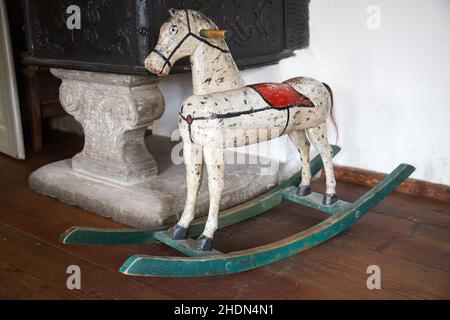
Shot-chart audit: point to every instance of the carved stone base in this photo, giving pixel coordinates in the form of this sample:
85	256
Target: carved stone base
114	111
156	201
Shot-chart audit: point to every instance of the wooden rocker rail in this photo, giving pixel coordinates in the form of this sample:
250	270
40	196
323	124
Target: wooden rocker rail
102	236
342	216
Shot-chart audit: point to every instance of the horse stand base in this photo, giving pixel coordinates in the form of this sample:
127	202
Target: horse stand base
157	201
205	263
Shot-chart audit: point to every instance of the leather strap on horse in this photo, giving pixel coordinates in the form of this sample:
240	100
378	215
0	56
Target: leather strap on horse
189	34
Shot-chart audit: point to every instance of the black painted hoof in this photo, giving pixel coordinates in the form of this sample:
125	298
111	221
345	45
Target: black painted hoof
303	191
204	243
179	232
329	199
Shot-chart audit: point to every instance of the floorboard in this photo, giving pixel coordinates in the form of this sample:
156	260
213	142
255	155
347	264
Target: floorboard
408	237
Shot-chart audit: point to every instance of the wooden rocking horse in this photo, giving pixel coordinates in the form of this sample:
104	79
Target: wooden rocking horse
222	103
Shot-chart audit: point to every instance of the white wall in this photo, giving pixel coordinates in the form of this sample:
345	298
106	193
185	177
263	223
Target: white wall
391	85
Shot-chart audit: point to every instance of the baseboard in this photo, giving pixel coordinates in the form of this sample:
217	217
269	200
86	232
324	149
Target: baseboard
410	186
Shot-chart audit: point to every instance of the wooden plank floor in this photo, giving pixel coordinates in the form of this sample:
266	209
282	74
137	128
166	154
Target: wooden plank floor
407	237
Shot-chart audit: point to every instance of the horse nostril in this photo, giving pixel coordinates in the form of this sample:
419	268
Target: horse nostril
148	65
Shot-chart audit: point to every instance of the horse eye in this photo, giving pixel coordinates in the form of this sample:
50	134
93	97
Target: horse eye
173	29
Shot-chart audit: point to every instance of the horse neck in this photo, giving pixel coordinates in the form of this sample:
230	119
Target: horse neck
214	71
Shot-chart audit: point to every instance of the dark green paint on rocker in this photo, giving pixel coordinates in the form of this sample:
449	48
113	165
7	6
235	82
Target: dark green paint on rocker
340	219
101	236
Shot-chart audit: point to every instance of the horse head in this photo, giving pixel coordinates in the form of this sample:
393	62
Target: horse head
180	36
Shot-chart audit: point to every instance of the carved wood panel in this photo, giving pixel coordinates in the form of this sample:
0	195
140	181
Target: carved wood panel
116	36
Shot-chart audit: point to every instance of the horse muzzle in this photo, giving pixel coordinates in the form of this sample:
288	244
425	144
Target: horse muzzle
158	63
156	66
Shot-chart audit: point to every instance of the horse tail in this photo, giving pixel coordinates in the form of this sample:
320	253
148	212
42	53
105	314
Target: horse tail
332	116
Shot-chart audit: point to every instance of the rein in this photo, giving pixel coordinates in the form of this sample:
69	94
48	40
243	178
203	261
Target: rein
189	34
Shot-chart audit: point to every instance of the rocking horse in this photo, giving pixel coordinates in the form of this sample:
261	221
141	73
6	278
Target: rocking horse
222	103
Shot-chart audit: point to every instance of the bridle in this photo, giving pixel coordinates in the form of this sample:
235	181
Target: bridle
186	36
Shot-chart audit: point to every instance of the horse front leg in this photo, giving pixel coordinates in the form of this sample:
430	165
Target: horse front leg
215	163
318	137
193	159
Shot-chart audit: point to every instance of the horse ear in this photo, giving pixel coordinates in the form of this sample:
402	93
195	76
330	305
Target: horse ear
172	12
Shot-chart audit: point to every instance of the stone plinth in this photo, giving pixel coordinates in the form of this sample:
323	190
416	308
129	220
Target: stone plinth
114	111
115	175
158	200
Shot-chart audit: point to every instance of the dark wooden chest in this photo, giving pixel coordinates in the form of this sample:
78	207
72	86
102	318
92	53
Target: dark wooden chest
117	35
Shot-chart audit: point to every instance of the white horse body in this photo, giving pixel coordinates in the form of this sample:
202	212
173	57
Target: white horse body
224	112
216	116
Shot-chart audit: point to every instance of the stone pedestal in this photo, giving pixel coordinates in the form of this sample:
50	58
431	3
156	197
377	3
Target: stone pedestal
114	111
160	200
115	175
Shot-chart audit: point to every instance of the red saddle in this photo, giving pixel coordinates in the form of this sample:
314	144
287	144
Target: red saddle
281	95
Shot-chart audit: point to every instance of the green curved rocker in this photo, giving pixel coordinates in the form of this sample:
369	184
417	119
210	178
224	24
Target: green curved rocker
103	236
207	263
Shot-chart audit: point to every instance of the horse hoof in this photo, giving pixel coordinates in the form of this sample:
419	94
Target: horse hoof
204	243
179	232
303	191
329	199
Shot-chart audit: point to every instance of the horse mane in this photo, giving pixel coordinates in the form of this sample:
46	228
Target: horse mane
197	15
206	19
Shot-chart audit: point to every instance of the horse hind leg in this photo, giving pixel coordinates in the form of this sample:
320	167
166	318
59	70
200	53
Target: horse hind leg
215	161
318	137
193	159
300	140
